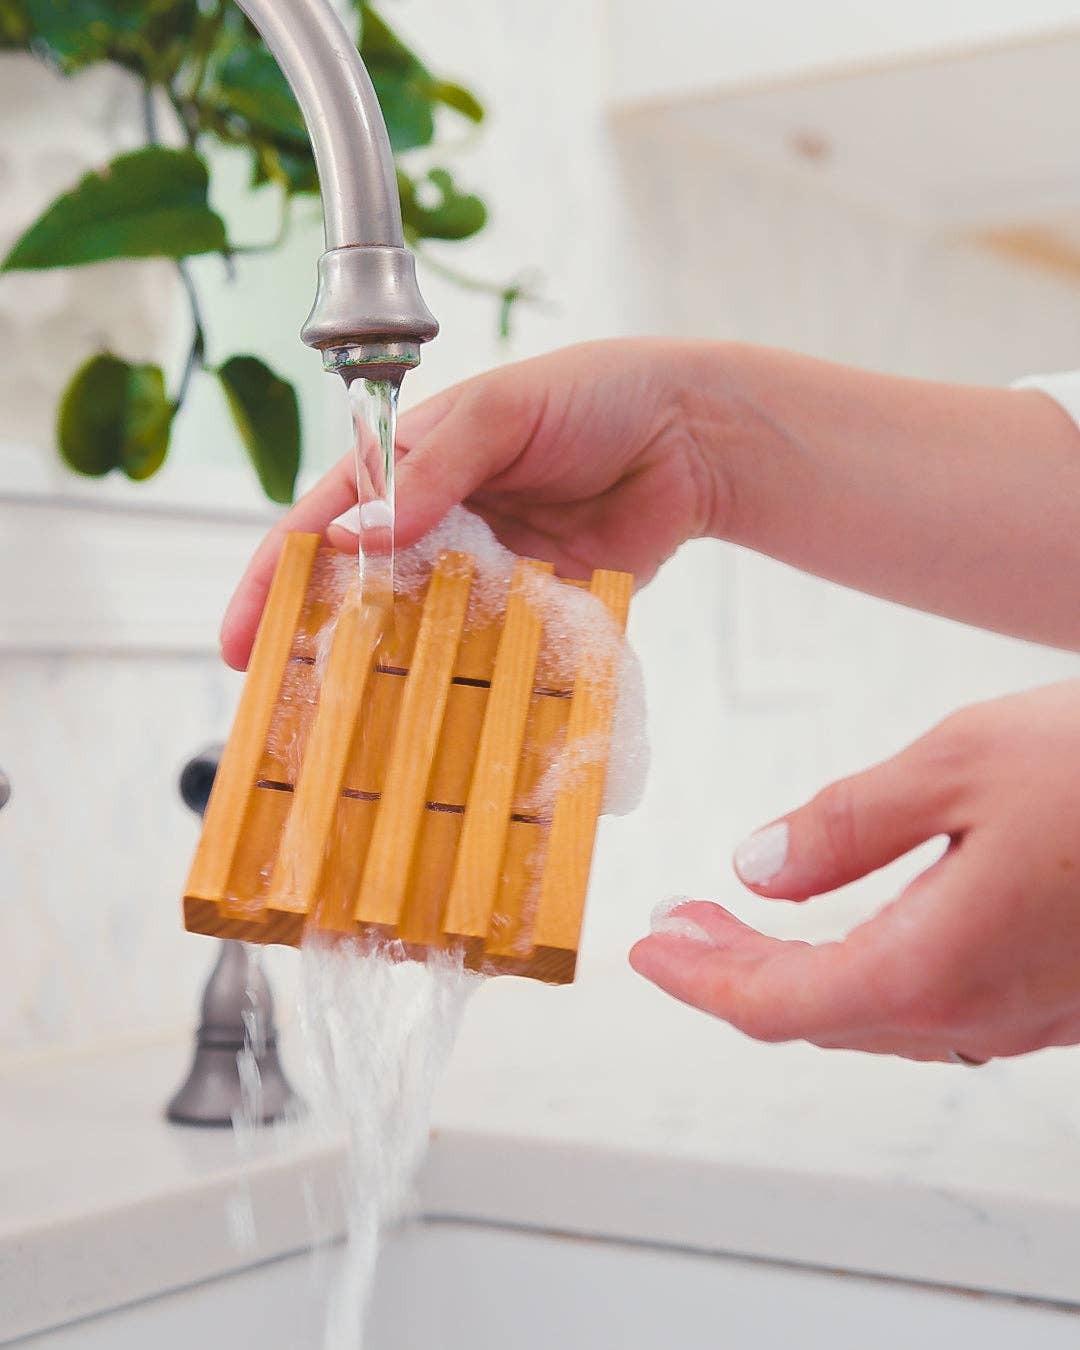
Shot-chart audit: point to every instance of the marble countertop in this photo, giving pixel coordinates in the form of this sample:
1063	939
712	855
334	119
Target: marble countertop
603	1108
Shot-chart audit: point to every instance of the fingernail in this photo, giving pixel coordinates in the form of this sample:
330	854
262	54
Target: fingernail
665	922
682	928
663	908
373	515
761	857
349	520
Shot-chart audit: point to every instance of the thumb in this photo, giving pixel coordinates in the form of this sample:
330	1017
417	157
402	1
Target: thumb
454	444
855	826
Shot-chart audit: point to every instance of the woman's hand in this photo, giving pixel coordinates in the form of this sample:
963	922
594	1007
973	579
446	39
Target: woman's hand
979	955
612	454
590	457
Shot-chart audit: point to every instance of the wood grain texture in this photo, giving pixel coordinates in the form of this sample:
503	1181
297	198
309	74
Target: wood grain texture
225	812
479	862
298	872
385	881
509	938
561	900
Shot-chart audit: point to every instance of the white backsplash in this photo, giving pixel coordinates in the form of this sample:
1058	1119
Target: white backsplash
52	131
762	685
96	841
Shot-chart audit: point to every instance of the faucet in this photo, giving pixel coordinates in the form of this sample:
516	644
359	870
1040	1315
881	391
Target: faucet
237	1016
369	317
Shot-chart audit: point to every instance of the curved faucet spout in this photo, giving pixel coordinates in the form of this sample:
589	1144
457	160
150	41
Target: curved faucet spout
352	150
368	315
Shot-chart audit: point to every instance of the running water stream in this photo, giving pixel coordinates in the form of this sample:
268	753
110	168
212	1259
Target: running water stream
374	411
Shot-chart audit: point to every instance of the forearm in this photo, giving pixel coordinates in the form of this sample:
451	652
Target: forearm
959	500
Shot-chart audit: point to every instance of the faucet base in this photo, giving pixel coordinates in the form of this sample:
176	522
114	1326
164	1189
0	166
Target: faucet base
212	1094
237	1012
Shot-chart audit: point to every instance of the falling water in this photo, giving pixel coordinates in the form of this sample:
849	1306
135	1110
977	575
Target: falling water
374	411
377	1031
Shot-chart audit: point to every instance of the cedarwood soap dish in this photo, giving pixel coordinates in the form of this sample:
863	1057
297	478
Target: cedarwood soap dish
432	774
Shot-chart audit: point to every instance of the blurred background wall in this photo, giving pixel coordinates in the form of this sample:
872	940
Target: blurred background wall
884	185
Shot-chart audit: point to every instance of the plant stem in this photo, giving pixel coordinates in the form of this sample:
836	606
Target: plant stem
187	115
197	351
149	112
208	41
471	283
183	115
509	293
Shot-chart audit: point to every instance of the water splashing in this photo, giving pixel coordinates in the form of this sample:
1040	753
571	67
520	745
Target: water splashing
377	1031
249	1119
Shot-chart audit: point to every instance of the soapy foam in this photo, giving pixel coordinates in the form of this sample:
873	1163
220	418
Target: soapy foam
460	532
575	622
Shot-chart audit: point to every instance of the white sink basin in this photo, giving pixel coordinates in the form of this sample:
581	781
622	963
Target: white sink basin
447	1285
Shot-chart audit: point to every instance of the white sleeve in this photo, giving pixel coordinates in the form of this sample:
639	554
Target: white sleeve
1063	388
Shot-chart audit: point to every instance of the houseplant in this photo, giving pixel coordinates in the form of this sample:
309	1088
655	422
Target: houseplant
207	78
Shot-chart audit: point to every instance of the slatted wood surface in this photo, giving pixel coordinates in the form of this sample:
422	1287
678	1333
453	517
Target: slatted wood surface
431	773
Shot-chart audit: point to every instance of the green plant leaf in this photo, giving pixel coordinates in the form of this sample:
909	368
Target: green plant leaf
251	104
459	98
151	203
402	82
455	215
142	34
249	84
266	413
293	169
15	30
407	90
407	111
114	415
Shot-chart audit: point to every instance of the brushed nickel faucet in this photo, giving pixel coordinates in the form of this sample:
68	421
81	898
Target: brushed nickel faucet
237	1016
369	317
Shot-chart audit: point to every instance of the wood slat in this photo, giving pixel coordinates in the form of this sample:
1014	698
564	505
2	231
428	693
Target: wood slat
226	810
385	881
265	814
479	862
577	806
545	736
513	915
333	576
298	872
349	845
436	844
294	714
451	770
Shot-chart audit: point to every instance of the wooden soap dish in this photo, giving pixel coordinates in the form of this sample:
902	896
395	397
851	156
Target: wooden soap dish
390	786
